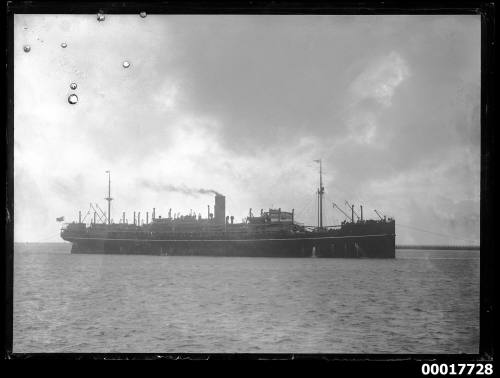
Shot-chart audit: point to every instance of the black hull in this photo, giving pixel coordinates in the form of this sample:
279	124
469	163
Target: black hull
366	246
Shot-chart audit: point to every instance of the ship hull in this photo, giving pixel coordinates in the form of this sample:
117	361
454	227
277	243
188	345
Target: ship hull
364	246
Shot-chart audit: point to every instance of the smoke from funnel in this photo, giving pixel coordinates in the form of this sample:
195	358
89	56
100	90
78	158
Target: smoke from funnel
178	189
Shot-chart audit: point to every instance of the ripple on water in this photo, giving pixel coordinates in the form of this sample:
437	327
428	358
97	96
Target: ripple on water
64	303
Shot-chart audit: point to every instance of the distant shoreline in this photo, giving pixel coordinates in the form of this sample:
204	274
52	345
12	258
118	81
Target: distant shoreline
441	247
58	242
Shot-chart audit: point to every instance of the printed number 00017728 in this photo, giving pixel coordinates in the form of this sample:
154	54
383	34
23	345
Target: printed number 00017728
457	369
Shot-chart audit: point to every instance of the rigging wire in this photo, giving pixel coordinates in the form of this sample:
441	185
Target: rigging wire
51	236
329	210
305	209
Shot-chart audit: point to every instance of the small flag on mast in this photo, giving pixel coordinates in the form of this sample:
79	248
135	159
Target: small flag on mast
60	219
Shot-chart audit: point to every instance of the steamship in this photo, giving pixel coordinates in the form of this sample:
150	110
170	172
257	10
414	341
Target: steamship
272	233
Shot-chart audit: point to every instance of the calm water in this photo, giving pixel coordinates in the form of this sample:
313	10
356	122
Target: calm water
420	302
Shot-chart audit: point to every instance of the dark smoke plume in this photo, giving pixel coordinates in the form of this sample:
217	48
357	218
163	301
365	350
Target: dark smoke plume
178	189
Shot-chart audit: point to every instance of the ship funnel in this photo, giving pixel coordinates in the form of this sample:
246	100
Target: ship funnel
220	209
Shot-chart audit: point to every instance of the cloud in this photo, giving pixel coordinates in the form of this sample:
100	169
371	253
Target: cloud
196	158
441	197
167	95
371	93
363	127
380	79
158	186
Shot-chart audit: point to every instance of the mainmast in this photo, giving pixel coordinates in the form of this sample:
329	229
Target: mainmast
109	199
321	191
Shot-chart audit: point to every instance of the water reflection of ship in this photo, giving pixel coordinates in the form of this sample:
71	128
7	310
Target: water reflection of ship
272	233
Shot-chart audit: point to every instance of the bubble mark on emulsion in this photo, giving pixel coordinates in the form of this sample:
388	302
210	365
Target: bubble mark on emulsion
73	85
73	99
26	48
143	14
126	64
64	45
100	16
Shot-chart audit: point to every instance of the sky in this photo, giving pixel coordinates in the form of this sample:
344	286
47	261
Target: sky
243	105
